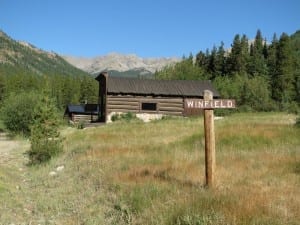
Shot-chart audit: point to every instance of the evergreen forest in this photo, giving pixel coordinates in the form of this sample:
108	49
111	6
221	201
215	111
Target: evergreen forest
26	69
261	76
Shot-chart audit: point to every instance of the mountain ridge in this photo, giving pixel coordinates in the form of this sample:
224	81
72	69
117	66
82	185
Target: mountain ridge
22	57
121	63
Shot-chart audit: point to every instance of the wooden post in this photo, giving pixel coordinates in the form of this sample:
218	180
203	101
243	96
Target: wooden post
210	153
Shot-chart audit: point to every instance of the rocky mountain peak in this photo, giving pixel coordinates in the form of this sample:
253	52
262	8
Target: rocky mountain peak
119	62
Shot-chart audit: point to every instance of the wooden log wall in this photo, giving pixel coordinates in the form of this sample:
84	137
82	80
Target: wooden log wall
167	106
84	118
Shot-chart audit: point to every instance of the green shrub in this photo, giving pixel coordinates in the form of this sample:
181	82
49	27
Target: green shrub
115	117
292	107
42	150
80	124
124	117
298	121
45	138
17	112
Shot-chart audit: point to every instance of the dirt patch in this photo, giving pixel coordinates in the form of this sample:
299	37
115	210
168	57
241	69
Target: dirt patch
12	151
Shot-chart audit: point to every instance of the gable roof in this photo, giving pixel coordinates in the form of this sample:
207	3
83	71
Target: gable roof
134	86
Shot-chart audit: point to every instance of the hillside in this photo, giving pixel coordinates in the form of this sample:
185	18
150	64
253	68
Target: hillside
22	57
19	57
124	64
25	68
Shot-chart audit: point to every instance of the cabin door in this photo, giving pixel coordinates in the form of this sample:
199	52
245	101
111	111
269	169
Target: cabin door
102	111
102	98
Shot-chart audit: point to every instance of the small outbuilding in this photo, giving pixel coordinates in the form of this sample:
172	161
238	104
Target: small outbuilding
86	113
166	97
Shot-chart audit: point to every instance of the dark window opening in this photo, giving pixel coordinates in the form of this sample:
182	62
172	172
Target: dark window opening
149	106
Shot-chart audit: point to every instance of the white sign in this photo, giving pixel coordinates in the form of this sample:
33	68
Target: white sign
210	104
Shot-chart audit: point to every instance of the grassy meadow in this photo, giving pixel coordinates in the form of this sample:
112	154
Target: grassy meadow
153	173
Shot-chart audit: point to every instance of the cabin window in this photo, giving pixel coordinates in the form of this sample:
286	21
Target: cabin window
147	106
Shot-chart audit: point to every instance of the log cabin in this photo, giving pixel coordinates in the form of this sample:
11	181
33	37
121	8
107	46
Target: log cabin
166	97
86	113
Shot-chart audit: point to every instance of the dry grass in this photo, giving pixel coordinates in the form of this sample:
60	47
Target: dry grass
137	173
255	158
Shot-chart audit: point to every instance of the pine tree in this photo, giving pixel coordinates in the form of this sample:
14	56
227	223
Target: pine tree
202	61
265	49
257	62
239	55
272	59
88	90
234	54
258	42
284	79
212	62
45	138
221	60
244	54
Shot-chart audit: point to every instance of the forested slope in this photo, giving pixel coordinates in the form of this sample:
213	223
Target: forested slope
24	67
261	75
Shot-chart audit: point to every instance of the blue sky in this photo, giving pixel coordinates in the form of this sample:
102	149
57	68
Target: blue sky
147	28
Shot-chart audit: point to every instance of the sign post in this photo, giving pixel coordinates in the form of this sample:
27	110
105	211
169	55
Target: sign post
209	104
210	151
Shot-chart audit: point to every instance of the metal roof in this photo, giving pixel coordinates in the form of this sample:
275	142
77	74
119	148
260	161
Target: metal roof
75	108
183	88
83	109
